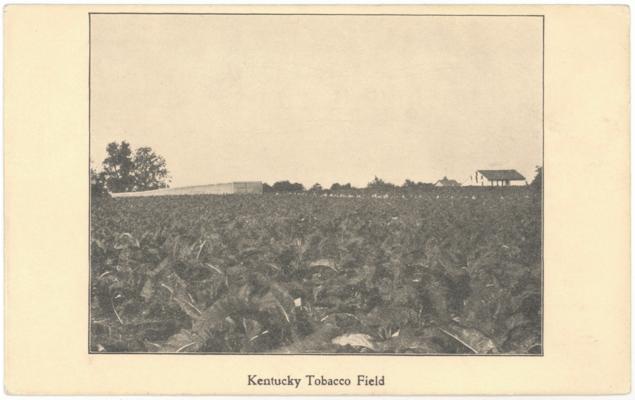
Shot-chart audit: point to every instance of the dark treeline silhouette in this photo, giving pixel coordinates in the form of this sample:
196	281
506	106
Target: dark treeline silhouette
336	187
283	186
378	185
125	170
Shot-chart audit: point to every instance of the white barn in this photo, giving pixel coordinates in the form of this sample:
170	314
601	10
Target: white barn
497	177
217	188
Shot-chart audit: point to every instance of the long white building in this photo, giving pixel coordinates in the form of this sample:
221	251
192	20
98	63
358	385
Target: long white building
217	188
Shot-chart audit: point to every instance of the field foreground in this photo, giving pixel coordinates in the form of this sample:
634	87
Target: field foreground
455	271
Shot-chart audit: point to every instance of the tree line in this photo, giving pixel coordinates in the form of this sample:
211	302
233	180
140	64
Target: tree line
376	184
125	170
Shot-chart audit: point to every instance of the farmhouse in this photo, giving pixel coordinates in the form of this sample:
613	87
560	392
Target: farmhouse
445	182
218	188
497	177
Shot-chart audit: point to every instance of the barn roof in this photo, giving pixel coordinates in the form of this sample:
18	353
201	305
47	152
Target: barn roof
501	174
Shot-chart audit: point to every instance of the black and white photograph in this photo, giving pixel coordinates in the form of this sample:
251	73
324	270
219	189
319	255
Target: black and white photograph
333	184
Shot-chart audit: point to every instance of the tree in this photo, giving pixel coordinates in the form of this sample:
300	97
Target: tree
119	168
537	182
150	170
97	184
412	185
316	188
336	186
124	173
379	184
409	184
286	186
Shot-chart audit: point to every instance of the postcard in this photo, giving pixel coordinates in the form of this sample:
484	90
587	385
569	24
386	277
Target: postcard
317	200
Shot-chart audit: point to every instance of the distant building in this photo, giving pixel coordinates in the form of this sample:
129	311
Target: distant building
445	182
497	177
218	188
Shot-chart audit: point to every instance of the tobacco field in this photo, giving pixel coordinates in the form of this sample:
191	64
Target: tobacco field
447	271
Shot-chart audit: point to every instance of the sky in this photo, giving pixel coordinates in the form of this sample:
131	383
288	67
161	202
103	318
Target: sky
319	98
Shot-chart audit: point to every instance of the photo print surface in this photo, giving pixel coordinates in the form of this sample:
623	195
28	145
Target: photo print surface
327	184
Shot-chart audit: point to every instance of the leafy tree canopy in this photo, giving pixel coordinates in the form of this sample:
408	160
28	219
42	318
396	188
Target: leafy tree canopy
336	186
150	170
124	171
409	184
379	184
97	184
316	188
286	186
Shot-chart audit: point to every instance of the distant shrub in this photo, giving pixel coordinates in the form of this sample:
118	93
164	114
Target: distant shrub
97	185
336	186
286	186
537	182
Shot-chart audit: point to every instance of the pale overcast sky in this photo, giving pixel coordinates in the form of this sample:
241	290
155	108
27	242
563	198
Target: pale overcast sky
319	98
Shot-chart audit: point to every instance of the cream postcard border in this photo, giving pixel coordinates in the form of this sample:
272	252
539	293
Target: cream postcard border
586	230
